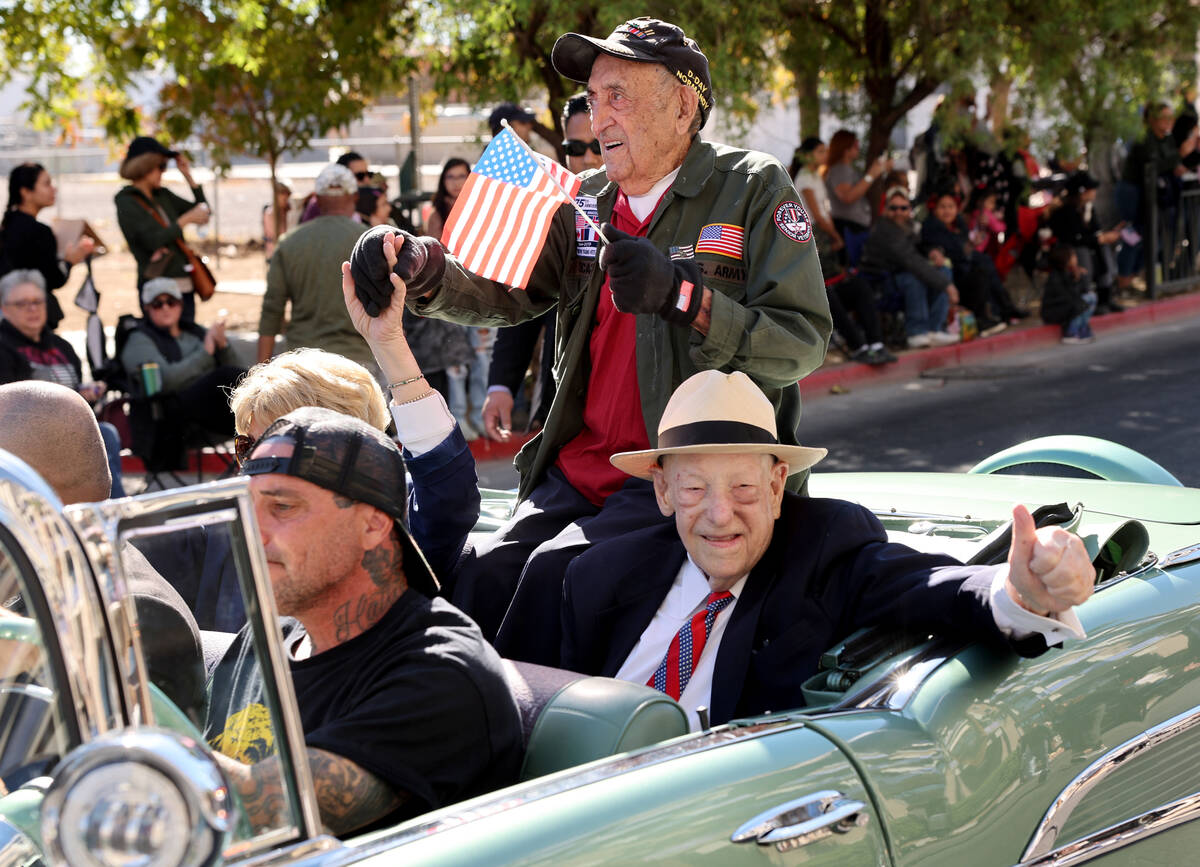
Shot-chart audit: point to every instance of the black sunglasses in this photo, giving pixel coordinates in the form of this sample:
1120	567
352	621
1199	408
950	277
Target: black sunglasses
362	176
899	208
242	446
164	301
576	148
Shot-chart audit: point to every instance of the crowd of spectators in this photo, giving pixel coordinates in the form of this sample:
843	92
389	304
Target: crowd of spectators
936	241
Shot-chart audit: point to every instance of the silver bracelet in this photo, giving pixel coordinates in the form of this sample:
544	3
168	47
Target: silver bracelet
408	381
414	399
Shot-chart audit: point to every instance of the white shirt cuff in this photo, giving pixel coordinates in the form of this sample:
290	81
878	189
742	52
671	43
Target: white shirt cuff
503	388
1017	623
423	424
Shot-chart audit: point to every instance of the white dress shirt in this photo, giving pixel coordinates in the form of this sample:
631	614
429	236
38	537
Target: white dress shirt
689	593
423	424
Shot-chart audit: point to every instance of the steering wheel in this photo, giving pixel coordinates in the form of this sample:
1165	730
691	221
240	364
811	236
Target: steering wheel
1102	458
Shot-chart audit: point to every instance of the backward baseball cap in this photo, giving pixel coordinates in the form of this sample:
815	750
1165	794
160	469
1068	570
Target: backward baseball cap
351	458
643	40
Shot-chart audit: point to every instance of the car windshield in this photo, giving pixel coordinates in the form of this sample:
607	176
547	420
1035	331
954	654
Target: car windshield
212	685
32	734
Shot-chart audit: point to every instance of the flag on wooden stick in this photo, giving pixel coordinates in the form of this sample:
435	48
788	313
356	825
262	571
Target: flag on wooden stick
500	221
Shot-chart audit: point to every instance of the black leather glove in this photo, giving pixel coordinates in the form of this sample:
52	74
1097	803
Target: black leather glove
420	263
643	279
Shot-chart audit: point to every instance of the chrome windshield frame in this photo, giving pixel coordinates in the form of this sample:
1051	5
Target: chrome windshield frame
228	502
75	633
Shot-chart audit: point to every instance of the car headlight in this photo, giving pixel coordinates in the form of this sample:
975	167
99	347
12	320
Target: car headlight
145	798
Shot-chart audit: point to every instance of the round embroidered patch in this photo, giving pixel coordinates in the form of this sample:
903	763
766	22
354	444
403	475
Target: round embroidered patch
792	220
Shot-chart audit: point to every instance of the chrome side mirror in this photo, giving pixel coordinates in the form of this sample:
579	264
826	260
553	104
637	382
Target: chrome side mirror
149	797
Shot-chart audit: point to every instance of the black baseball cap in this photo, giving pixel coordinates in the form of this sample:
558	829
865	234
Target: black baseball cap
132	167
643	40
1082	180
145	144
510	112
349	457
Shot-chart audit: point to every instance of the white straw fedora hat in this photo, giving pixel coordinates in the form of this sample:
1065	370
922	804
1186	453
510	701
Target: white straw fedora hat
717	413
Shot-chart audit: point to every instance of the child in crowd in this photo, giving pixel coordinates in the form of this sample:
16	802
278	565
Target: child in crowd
985	224
1067	299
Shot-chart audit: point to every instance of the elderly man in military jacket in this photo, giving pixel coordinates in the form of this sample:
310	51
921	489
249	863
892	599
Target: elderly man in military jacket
706	262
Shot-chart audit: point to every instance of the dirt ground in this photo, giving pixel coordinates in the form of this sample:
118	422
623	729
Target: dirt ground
115	276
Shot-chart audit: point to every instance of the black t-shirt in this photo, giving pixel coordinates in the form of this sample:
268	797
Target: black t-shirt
419	700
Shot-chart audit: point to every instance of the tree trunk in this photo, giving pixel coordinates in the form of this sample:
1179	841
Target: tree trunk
807	79
1001	87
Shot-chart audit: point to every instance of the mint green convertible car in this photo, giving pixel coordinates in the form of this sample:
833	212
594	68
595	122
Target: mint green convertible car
912	749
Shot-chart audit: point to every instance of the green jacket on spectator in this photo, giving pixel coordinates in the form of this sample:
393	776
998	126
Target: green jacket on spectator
193	363
144	234
306	270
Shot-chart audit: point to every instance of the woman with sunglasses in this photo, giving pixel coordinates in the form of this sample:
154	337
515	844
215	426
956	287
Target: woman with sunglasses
152	217
30	243
580	145
197	367
30	350
450	183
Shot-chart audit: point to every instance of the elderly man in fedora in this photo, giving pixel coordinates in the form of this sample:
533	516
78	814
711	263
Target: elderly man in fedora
730	606
710	266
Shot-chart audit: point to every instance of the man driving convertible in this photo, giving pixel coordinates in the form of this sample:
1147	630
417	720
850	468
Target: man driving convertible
731	606
404	706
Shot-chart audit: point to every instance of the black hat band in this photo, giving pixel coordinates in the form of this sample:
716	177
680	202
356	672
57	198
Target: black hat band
703	433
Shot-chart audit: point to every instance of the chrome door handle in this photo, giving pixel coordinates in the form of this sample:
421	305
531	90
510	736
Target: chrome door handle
803	821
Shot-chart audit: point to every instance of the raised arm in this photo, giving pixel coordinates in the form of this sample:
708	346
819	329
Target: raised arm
443	503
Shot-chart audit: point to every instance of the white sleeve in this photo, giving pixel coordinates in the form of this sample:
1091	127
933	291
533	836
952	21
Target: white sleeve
423	424
1017	623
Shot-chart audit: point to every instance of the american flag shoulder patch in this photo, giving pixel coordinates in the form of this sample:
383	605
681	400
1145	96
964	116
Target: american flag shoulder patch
721	238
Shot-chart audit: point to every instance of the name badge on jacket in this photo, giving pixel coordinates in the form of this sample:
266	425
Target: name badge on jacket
587	242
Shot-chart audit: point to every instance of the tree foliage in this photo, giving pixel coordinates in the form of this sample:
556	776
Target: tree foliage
265	76
254	77
1092	66
501	50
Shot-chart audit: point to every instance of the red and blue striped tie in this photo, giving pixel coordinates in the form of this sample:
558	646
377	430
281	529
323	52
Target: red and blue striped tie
674	672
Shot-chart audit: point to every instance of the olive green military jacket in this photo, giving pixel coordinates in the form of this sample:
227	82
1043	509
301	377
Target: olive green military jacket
770	315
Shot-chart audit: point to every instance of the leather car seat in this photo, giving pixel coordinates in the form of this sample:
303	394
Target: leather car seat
569	719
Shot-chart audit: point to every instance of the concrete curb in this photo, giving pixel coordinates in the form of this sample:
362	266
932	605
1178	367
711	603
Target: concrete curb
912	364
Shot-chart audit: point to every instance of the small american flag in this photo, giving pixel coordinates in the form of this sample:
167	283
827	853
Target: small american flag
499	224
721	238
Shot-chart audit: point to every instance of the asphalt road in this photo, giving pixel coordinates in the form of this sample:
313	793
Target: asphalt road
1137	388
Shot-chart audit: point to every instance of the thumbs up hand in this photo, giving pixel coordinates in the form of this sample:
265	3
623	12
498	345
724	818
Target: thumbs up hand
1048	568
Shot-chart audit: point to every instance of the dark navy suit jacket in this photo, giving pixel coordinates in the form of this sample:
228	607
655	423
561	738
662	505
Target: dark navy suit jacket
828	571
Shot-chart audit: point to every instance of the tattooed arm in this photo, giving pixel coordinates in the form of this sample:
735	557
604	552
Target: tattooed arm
348	796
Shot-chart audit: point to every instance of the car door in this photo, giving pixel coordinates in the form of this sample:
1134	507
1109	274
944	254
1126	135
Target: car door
1084	752
776	792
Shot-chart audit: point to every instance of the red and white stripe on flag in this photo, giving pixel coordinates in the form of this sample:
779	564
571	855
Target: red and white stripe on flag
499	223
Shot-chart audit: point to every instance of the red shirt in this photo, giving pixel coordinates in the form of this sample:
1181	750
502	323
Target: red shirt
612	412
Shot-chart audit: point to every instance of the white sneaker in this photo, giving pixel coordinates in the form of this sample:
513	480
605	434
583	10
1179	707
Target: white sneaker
918	341
943	338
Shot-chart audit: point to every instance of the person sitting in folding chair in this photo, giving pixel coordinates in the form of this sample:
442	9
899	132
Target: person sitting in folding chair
184	368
